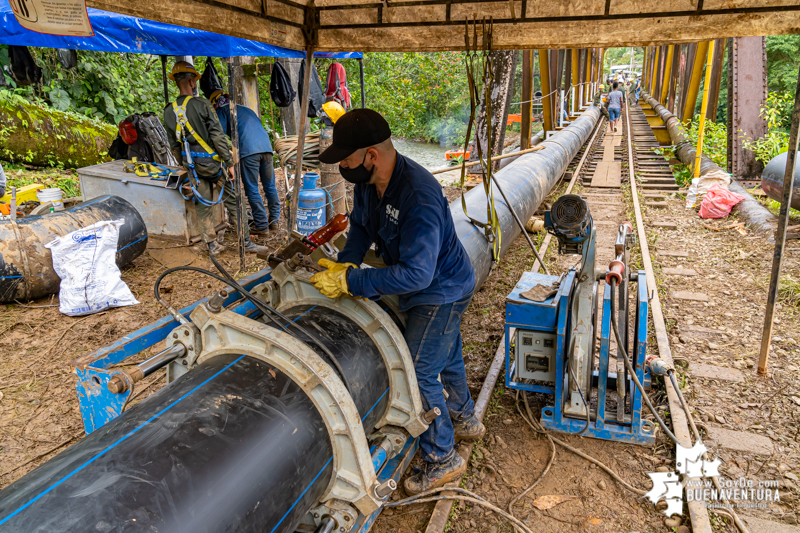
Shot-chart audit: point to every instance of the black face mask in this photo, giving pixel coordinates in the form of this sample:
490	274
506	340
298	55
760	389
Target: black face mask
357	175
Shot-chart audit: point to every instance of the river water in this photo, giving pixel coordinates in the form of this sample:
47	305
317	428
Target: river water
429	155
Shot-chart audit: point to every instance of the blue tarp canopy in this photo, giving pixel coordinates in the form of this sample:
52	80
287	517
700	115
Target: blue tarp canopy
121	33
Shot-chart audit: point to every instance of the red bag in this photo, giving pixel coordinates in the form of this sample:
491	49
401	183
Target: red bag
336	89
718	202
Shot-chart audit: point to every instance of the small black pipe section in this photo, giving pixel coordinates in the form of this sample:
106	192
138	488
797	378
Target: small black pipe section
327	525
161	359
26	266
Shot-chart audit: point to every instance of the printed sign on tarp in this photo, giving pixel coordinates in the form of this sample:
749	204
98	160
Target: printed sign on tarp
55	17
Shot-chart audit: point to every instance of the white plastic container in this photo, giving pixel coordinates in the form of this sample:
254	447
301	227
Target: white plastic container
53	196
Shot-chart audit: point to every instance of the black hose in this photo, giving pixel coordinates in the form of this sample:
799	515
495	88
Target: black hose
266	309
629	366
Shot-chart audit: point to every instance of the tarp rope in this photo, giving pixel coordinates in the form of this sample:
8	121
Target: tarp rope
480	60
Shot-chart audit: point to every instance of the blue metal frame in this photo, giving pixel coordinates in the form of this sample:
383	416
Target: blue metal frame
393	469
533	316
99	405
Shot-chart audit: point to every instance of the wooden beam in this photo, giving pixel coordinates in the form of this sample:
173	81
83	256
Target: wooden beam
547	98
527	97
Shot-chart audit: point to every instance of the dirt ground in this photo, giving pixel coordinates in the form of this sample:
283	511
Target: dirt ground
39	413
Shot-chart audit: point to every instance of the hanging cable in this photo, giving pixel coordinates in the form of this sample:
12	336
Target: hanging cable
267	310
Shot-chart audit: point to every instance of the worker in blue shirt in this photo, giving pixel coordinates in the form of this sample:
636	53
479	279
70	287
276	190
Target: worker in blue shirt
255	154
401	209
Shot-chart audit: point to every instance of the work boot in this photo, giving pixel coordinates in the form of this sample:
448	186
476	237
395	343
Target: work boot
252	248
435	475
215	248
259	231
469	429
274	225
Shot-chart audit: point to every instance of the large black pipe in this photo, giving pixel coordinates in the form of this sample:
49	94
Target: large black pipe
26	266
757	216
231	445
772	179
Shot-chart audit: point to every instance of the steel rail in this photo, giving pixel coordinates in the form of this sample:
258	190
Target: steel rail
698	514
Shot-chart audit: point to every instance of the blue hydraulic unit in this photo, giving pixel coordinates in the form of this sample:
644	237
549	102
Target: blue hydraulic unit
558	342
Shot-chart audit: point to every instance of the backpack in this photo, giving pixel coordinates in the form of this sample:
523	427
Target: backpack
316	96
209	81
24	69
337	89
280	86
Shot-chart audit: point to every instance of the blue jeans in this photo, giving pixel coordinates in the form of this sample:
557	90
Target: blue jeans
255	166
433	335
613	113
637	95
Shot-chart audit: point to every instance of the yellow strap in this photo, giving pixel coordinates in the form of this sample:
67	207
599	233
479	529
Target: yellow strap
182	120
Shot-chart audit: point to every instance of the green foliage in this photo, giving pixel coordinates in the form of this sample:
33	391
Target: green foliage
783	61
777	112
66	181
715	146
108	86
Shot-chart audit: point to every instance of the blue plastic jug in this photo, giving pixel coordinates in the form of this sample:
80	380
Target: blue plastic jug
311	205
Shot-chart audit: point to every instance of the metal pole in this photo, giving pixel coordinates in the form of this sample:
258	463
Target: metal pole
241	217
561	109
703	107
780	236
527	96
575	80
301	141
164	78
701	52
547	98
667	75
361	75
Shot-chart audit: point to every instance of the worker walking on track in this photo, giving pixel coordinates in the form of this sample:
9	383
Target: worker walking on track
255	154
197	140
399	206
614	100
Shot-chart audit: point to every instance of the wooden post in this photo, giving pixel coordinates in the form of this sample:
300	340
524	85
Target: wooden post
301	141
694	82
703	107
361	76
547	98
526	108
241	216
667	74
164	78
780	236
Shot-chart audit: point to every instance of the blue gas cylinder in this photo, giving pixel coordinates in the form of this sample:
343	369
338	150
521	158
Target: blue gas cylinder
311	205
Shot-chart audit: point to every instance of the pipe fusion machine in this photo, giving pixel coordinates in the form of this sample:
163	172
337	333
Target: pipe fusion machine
285	411
554	326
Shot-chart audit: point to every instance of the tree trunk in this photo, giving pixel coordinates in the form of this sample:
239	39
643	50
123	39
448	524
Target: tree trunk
504	67
48	137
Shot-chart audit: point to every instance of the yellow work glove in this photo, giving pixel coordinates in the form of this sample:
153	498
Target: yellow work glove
333	282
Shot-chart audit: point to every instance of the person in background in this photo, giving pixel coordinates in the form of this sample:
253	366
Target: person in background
598	100
2	181
398	207
637	87
255	154
614	100
191	120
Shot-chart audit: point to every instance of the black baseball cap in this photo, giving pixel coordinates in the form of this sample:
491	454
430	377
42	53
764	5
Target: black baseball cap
355	129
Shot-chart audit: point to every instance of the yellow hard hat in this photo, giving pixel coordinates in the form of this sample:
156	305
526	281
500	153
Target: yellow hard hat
183	66
334	110
215	95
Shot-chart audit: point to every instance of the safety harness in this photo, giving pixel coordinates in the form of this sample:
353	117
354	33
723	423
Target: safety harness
476	59
183	129
154	171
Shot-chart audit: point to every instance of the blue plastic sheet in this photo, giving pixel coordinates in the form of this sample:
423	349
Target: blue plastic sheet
121	33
